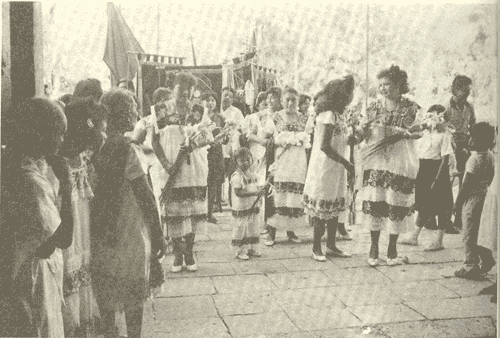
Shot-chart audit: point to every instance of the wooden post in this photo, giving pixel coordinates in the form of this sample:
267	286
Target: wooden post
26	50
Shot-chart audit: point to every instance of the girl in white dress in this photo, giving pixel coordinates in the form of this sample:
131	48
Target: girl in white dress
326	184
244	183
258	139
86	134
125	230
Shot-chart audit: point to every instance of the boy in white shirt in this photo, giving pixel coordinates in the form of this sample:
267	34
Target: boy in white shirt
433	191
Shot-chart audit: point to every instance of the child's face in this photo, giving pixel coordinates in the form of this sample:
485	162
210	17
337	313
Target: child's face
320	104
244	162
289	102
101	136
197	116
210	103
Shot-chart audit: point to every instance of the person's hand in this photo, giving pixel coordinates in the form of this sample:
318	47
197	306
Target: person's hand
60	167
187	148
413	136
349	167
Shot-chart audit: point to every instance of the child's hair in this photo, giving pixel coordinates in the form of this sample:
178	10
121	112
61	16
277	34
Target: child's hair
197	108
275	91
290	90
229	89
119	103
338	93
160	94
88	87
261	97
66	98
191	119
482	136
303	98
185	78
241	153
206	96
84	115
436	108
33	125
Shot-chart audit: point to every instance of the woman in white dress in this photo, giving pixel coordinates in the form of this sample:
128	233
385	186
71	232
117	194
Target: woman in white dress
390	164
291	169
325	189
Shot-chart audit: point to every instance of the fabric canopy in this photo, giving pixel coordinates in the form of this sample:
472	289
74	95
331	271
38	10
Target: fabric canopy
121	46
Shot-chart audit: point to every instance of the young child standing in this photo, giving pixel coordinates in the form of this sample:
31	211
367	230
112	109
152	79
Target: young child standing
479	172
246	230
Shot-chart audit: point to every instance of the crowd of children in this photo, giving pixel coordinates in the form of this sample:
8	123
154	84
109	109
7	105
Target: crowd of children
91	193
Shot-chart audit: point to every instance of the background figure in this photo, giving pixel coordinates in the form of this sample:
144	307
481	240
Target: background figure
291	169
258	137
86	134
479	172
488	231
304	103
215	159
66	98
186	203
33	230
231	114
325	188
460	113
88	87
433	191
390	164
126	234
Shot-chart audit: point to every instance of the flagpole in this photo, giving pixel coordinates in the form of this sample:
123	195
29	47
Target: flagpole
158	30
192	50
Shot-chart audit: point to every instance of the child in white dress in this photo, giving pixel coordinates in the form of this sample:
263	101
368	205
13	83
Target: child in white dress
325	188
245	191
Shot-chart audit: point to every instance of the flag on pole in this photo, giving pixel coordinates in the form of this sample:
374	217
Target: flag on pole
119	42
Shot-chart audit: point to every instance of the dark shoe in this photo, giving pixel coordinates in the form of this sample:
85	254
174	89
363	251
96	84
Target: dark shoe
337	253
293	237
188	254
490	290
178	258
468	272
487	259
212	219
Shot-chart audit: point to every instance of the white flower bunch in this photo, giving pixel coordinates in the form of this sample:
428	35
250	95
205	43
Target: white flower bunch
300	139
433	121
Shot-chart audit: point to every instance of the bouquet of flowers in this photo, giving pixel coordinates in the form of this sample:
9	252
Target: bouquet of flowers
300	139
433	121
